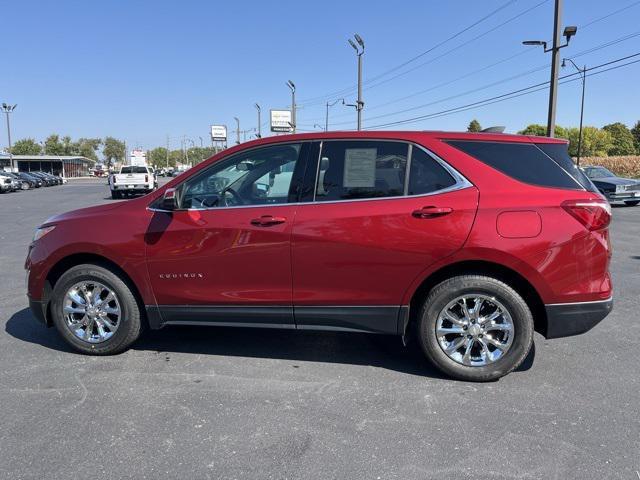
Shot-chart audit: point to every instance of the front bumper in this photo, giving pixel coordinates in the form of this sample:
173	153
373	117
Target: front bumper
567	319
38	307
621	196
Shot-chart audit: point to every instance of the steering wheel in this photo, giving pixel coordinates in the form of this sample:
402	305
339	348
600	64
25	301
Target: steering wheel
237	199
199	202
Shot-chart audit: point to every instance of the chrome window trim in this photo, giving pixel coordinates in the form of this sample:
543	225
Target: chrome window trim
461	183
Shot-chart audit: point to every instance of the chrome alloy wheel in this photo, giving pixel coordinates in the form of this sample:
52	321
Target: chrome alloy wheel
475	330
91	311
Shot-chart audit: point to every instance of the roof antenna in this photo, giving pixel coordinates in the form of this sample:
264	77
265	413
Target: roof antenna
498	129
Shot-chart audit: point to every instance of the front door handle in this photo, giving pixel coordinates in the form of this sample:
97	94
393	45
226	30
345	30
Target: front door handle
267	221
432	212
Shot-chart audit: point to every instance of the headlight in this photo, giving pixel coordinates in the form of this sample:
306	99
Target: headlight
41	232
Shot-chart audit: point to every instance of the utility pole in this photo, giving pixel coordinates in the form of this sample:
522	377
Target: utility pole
359	53
259	121
237	130
292	86
7	109
583	74
555	62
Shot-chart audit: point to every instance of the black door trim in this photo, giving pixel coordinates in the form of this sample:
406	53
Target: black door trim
386	319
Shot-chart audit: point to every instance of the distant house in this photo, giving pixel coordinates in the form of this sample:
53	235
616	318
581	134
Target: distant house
62	165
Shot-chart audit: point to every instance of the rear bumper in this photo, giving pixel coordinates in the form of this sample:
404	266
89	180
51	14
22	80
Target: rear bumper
567	319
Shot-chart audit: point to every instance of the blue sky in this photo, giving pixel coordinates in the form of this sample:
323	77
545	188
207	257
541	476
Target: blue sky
142	70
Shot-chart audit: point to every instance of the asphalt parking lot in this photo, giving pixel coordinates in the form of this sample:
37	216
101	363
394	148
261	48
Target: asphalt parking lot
234	403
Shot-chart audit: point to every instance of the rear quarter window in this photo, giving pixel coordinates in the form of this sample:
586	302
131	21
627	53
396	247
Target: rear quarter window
522	161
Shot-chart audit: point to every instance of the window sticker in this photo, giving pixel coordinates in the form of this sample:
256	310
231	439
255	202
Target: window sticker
360	167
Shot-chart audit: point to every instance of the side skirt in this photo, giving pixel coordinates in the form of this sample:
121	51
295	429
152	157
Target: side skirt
391	319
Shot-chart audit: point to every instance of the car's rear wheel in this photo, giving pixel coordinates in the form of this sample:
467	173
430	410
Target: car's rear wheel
633	203
475	328
115	194
95	311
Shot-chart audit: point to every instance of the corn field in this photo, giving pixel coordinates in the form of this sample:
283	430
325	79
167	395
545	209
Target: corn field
622	166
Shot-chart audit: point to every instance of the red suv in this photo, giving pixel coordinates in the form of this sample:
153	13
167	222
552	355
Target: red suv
470	241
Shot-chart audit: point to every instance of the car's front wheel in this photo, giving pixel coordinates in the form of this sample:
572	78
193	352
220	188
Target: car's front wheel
475	328
95	311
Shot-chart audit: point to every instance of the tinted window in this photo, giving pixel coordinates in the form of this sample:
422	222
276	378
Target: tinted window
361	169
257	177
522	161
426	175
133	169
559	152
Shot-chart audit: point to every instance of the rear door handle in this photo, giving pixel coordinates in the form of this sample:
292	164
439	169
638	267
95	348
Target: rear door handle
267	221
432	212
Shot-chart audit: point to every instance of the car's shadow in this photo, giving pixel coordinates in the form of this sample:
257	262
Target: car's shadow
348	348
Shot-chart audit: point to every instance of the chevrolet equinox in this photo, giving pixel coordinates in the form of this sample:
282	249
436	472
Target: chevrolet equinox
469	241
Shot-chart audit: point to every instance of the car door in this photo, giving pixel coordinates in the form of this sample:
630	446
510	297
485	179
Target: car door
371	229
224	256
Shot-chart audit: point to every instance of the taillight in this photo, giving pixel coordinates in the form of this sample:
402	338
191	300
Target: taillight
146	178
593	214
114	179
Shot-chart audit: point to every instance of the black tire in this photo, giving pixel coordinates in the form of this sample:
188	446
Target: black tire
115	194
130	325
448	291
633	203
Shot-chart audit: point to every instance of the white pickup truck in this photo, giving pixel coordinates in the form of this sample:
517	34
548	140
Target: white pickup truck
132	179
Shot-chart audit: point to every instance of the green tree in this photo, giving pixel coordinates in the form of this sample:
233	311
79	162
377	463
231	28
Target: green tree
474	126
158	157
113	151
88	147
635	131
622	141
534	129
53	146
26	146
595	142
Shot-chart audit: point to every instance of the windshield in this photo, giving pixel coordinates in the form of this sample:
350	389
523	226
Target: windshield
133	169
598	172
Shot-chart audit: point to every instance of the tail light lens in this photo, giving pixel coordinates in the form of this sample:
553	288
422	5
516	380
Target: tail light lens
114	179
146	178
593	214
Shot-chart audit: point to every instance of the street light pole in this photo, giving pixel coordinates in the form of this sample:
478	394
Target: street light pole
7	110
292	86
237	130
359	53
326	117
259	121
555	62
583	74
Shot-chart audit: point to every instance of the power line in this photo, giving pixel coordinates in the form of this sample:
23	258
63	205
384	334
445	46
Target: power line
484	87
344	91
311	101
420	55
512	94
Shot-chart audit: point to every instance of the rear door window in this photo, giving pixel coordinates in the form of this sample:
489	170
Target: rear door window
522	161
426	175
361	169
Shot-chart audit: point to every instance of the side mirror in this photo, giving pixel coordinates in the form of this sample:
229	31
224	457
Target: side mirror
169	199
